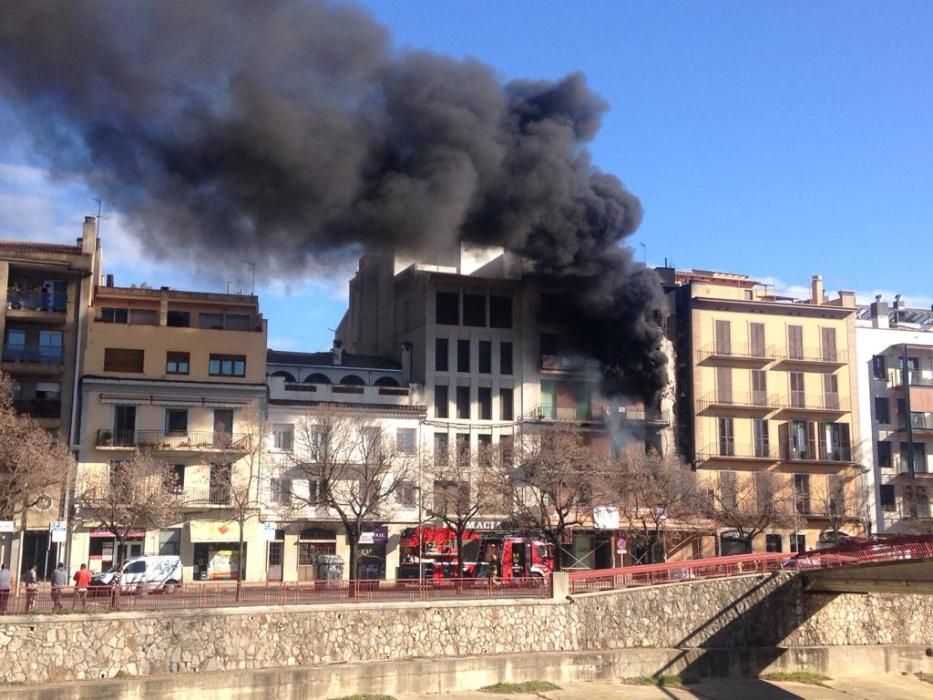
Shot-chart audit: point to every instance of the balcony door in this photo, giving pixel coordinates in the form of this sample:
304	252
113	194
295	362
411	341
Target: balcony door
726	438
797	396
723	338
828	336
795	342
223	427
124	425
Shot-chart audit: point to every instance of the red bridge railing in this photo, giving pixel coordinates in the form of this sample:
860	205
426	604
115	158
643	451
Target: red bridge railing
855	553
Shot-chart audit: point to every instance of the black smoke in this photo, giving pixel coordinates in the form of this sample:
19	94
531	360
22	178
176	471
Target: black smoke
286	132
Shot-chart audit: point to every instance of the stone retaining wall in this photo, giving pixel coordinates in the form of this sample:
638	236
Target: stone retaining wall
752	611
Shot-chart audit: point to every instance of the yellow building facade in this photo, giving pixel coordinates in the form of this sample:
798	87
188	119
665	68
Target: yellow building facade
766	409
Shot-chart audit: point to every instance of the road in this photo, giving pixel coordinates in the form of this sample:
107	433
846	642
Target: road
855	688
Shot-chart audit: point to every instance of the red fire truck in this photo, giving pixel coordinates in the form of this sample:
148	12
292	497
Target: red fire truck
516	556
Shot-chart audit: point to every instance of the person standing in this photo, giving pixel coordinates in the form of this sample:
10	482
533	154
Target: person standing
82	579
5	584
59	580
32	587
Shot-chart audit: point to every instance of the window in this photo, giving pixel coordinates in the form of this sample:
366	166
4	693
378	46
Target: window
723	338
726	438
884	455
798	543
828	336
724	384
802	493
219	489
170	542
50	346
176	422
440	401
474	310
728	493
882	410
144	317
447	309
879	368
919	457
135	567
281	490
774	543
762	443
405	494
888	504
485	357
227	366
463	355
441	448
505	403
451	496
500	312
463	449
795	342
759	387
177	362
507	449
211	321
484	399
441	355
123	360
48	391
283	436
797	395
405	440
237	322
550	344
463	402
112	315
16	339
124	425
176	479
505	358
757	334
837	494
178	319
831	391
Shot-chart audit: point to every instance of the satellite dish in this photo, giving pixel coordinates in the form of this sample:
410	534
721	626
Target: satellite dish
44	502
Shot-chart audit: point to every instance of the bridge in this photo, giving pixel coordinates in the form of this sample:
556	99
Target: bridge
901	564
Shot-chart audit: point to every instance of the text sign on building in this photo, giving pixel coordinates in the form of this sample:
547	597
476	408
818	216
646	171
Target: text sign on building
268	531
379	535
484	525
58	531
6	526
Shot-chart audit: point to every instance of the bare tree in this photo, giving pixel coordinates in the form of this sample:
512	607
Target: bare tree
33	463
654	493
751	503
841	501
134	494
463	489
552	482
352	467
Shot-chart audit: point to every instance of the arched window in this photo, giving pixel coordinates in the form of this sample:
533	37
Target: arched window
289	377
352	380
317	378
386	381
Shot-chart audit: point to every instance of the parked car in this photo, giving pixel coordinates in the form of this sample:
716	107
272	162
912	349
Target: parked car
158	573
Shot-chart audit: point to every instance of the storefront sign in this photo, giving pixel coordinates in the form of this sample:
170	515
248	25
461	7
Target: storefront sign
606	518
484	525
213	531
621	545
58	531
7	526
131	535
380	535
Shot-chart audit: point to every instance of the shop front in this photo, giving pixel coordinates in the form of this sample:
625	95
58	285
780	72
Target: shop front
215	549
312	543
371	554
105	550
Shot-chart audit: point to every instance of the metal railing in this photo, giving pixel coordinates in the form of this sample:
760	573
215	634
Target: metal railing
739	399
736	351
796	453
915	377
830	401
194	440
39	354
789	353
731	450
855	554
920	421
39	408
224	594
36	300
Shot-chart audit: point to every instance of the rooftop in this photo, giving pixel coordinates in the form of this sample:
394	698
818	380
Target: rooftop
326	359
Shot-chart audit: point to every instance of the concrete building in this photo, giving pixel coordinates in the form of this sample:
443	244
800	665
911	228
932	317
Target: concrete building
372	389
487	345
44	290
896	420
180	375
766	396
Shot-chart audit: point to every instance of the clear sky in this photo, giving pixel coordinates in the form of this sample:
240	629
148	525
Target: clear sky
775	139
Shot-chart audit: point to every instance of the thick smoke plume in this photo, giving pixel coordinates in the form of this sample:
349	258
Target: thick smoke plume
284	132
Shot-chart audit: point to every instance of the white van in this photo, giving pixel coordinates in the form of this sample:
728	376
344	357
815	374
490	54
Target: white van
159	573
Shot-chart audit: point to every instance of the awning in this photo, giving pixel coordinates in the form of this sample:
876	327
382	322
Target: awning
132	534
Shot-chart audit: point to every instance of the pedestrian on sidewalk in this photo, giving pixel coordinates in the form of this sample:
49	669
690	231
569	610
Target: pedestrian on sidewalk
82	579
5	583
59	580
32	587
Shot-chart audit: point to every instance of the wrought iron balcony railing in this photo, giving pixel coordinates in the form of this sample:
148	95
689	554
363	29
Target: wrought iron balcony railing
39	354
173	440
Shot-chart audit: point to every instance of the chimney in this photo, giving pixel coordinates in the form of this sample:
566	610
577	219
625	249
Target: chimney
879	313
89	235
898	304
110	280
406	364
338	352
816	289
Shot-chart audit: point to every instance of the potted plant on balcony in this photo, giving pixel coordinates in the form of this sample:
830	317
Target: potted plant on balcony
105	439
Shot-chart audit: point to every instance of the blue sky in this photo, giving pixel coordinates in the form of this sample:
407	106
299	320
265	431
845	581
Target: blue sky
775	139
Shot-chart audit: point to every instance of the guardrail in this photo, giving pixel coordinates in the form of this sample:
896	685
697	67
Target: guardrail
173	439
226	594
855	554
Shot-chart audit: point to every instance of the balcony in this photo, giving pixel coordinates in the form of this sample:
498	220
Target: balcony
920	423
573	414
915	377
340	393
730	451
197	496
834	454
799	403
39	408
814	358
735	354
48	357
36	300
751	403
172	441
641	415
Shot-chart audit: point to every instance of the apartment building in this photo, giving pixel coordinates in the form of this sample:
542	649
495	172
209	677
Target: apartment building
44	289
488	346
767	404
894	366
181	376
377	392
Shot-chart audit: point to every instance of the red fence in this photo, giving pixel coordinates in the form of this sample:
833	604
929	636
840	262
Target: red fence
854	554
219	595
